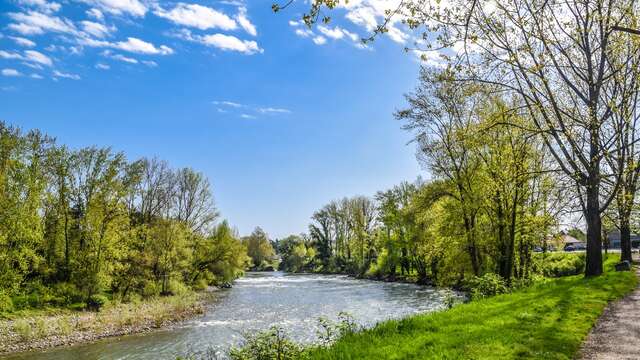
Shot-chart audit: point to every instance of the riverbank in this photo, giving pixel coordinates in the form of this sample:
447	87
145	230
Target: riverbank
547	320
52	328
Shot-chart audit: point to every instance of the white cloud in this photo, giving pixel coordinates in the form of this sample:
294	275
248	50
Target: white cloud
36	76
150	63
120	7
33	58
95	13
231	43
42	5
10	55
11	72
133	45
119	57
319	40
247	116
34	22
245	23
270	110
37	57
228	103
430	58
58	74
23	41
370	13
304	32
25	29
142	47
96	29
335	33
294	23
197	16
102	66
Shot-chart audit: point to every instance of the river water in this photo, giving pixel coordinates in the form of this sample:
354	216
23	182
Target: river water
256	302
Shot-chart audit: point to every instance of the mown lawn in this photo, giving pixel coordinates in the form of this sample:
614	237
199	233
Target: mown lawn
546	321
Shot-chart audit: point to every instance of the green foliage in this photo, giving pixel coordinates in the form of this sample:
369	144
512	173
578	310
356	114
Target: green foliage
267	345
75	224
558	264
548	320
97	302
488	285
23	329
6	303
330	331
260	250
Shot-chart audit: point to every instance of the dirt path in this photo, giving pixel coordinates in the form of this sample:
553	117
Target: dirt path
616	335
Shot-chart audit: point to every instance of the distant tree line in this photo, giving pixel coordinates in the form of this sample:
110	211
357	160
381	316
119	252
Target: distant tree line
79	223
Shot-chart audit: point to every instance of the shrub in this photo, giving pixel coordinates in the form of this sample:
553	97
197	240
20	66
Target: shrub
6	304
487	285
331	331
23	329
270	344
150	289
177	287
67	293
40	328
97	302
558	264
79	306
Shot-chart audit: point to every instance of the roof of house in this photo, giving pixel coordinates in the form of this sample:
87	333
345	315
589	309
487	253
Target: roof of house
568	239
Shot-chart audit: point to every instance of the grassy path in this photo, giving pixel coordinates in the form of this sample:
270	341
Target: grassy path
549	320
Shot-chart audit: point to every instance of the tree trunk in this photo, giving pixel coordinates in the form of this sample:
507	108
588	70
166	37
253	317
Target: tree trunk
625	240
594	228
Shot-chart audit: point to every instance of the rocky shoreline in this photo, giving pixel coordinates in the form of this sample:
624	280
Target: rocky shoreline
66	329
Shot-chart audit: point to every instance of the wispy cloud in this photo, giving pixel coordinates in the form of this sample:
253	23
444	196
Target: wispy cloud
248	111
23	41
270	110
10	72
228	103
59	74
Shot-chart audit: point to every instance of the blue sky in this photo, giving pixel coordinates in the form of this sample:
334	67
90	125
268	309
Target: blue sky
282	119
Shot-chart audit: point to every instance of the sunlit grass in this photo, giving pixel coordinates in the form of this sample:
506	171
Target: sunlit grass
546	321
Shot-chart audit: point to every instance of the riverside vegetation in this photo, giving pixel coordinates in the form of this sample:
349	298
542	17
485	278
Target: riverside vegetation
88	230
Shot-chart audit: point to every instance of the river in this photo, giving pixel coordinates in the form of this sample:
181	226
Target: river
256	302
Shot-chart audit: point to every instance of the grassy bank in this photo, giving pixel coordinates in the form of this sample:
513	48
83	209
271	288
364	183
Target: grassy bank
546	321
39	329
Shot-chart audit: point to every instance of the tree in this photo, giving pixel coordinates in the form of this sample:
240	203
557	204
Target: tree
564	60
259	249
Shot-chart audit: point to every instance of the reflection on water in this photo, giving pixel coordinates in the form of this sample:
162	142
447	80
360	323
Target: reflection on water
257	301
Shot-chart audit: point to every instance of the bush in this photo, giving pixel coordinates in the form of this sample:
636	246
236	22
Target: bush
270	344
67	293
97	302
487	285
331	331
6	304
23	329
558	264
79	306
150	289
177	287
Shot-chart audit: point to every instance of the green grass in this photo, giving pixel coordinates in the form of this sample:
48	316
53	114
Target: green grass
546	321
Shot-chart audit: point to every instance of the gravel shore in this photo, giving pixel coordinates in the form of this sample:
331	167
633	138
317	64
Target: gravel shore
67	328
